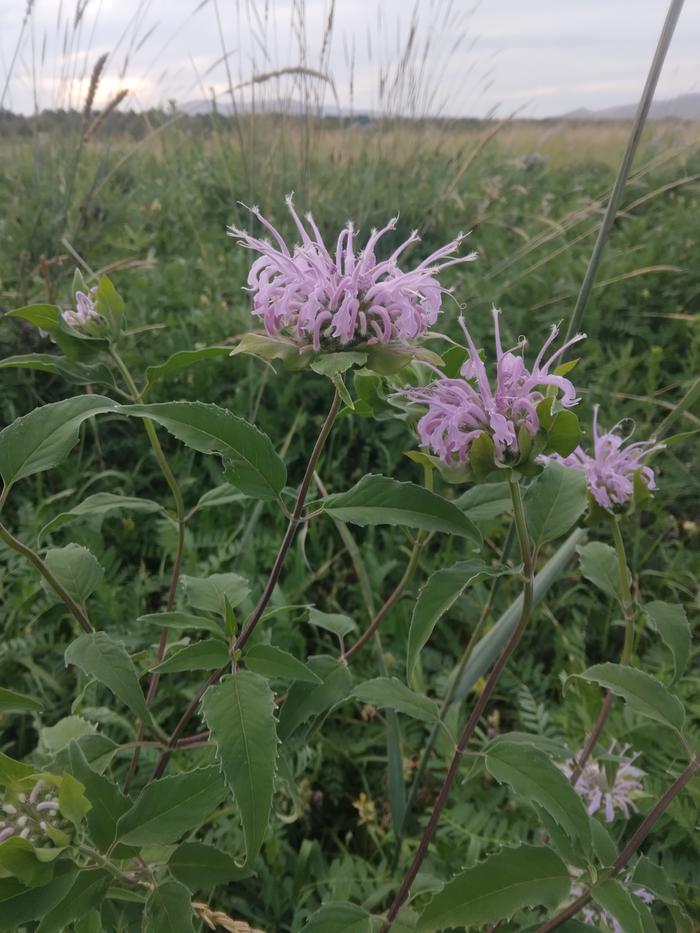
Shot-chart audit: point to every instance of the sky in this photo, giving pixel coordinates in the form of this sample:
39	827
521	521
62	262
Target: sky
539	58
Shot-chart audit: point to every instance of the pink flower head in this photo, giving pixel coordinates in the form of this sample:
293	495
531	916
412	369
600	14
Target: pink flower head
333	302
601	793
610	471
459	410
84	310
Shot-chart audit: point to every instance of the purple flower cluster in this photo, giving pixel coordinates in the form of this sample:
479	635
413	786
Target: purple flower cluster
459	410
336	301
611	469
84	310
600	792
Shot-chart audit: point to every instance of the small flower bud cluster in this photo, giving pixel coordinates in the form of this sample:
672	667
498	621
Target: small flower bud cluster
30	816
84	310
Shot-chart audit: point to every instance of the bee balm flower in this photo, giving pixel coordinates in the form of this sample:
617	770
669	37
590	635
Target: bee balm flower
459	410
610	471
334	302
600	792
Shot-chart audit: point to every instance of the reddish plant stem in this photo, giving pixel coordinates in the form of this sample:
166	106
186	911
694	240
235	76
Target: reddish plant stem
477	711
634	843
256	614
390	602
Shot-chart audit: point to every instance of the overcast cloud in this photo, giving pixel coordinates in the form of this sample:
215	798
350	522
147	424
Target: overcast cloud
544	56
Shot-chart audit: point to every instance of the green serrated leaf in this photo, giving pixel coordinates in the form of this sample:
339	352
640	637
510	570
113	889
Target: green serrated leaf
44	438
437	596
389	692
108	804
206	655
75	344
239	711
380	500
496	888
182	360
270	348
73	371
98	506
183	622
671	623
171	806
99	656
642	692
86	893
536	778
251	462
271	661
20	905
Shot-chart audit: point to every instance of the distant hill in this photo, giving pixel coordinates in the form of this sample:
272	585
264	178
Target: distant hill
684	107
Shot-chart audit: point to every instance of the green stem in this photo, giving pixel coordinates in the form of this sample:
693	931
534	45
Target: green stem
629	614
181	519
24	549
479	707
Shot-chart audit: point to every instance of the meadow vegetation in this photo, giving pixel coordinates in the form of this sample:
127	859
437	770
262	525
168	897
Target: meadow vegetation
145	199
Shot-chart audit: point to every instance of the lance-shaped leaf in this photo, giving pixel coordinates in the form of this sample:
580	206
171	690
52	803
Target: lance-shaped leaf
20	905
79	374
554	502
167	808
534	777
642	692
182	360
43	438
87	892
239	711
494	890
251	462
384	692
671	622
206	655
271	661
440	592
99	656
380	500
108	802
99	505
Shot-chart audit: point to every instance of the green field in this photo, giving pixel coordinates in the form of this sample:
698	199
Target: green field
146	201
